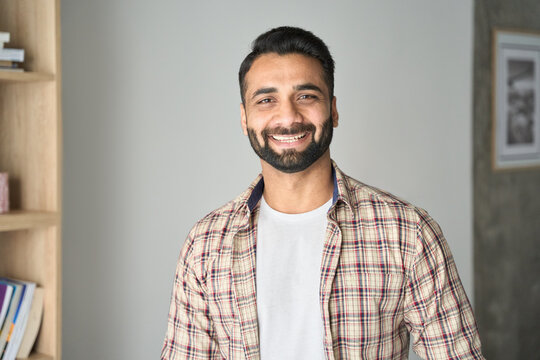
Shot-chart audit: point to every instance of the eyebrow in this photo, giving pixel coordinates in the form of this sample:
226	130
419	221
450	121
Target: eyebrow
261	91
308	86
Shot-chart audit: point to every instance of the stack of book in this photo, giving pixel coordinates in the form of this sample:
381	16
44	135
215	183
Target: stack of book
21	310
9	58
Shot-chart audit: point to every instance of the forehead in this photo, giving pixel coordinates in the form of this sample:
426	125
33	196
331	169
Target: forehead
283	71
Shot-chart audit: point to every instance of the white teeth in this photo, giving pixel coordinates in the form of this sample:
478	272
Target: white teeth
288	138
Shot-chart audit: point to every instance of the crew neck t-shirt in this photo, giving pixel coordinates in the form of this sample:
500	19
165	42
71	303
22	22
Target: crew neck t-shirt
289	255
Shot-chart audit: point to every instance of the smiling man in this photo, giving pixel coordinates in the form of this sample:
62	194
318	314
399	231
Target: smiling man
309	263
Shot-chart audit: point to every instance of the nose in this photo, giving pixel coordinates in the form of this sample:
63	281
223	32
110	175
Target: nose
288	114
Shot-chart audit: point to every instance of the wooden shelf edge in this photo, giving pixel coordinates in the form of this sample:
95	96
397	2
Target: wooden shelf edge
37	356
25	76
20	220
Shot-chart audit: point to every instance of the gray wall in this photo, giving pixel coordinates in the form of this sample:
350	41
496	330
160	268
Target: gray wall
506	210
152	137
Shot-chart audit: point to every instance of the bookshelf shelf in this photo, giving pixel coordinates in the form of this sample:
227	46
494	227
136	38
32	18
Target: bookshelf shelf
11	76
22	220
37	356
30	152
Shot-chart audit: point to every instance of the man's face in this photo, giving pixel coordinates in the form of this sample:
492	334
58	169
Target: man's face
288	114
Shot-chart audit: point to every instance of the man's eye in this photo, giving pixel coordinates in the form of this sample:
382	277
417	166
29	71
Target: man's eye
307	97
264	101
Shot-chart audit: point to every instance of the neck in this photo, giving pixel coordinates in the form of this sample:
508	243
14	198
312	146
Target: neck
299	192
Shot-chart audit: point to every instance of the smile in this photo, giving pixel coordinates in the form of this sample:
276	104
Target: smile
288	138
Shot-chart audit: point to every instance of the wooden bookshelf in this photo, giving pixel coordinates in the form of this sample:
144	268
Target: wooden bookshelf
23	220
37	356
30	151
26	76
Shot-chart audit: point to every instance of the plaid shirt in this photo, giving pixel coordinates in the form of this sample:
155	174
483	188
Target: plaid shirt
386	272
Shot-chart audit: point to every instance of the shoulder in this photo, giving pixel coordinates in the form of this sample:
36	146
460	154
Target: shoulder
379	202
221	220
212	235
382	216
204	236
381	207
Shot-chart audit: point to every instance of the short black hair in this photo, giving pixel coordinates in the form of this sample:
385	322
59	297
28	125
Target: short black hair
289	40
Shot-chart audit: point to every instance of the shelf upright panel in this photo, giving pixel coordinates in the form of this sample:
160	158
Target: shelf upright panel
30	151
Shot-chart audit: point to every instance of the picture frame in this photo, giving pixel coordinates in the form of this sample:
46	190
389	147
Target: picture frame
516	99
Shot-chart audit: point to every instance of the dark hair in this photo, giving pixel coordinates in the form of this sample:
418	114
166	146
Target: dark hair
286	40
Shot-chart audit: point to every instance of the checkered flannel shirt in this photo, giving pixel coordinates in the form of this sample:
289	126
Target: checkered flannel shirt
386	272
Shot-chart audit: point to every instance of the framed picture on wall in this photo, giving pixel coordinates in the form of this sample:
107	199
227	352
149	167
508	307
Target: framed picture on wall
516	99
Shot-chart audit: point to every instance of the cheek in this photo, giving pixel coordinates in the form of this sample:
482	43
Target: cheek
256	133
320	125
257	123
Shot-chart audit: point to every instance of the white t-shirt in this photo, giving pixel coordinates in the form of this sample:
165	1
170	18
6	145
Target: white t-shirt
289	255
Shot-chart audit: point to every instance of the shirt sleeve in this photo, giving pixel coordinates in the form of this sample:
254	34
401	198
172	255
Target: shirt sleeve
437	311
190	332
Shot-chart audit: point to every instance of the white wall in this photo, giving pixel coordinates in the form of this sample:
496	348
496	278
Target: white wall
152	138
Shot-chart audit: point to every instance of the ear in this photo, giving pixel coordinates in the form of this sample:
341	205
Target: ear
243	118
335	115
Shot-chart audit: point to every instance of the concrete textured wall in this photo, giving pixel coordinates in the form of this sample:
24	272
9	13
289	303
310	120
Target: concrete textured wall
506	209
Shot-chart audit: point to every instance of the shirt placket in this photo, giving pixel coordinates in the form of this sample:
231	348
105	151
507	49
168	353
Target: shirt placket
330	261
243	272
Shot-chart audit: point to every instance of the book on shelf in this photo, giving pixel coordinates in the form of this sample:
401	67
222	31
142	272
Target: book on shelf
10	66
8	54
34	323
4	197
6	291
14	326
7	327
32	327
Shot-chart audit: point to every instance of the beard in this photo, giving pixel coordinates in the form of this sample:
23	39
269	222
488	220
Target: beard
291	160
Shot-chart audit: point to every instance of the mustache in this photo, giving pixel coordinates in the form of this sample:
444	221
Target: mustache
294	129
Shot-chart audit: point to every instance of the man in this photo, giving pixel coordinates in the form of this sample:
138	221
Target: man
309	263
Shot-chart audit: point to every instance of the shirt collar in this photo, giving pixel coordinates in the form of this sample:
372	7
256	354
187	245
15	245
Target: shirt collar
256	193
253	194
342	192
